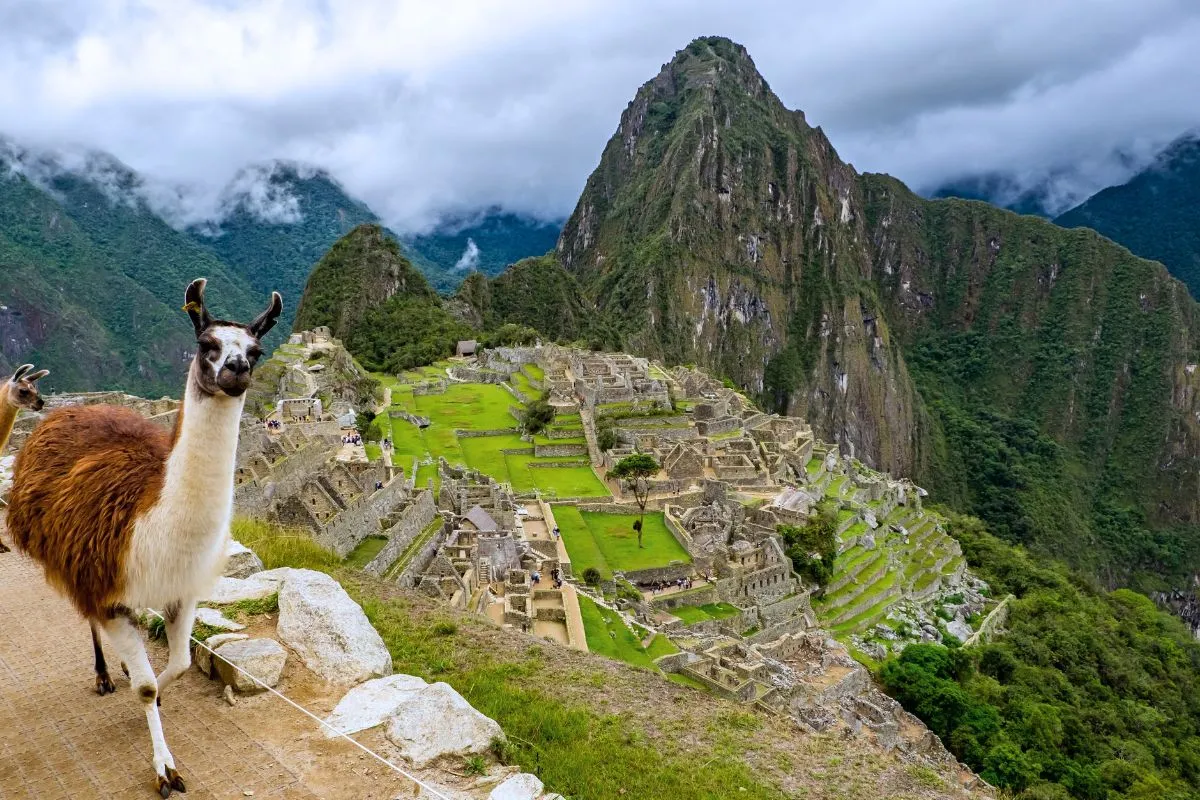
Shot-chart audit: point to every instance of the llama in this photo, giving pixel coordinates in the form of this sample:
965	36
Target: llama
16	393
123	514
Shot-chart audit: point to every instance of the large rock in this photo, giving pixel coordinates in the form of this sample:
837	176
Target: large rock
262	658
959	629
328	630
234	590
519	787
202	656
240	561
371	703
215	619
437	721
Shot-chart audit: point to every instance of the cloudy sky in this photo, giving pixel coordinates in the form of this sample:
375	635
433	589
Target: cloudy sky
442	106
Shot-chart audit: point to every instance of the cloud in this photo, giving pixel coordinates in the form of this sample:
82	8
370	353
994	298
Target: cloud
469	259
426	110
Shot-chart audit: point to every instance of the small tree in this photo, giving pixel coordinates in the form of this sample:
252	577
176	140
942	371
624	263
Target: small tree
362	422
538	414
634	471
812	546
591	576
606	435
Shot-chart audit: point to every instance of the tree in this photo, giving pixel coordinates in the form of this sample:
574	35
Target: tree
812	547
538	414
591	576
634	471
606	435
362	422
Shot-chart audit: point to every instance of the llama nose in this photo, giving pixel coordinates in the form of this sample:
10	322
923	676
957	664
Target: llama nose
238	365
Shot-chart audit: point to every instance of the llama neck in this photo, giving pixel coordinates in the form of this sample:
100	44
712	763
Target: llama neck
201	465
8	417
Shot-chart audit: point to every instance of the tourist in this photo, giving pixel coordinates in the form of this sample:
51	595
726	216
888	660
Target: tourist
536	576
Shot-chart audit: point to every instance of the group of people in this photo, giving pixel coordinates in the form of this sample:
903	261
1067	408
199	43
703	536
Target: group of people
555	576
274	425
682	584
353	438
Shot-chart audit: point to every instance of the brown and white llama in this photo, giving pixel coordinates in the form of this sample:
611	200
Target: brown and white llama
19	391
123	514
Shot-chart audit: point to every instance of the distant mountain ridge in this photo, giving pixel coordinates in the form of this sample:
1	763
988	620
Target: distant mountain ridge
1156	214
91	272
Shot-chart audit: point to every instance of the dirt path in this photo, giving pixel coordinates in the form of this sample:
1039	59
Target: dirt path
59	739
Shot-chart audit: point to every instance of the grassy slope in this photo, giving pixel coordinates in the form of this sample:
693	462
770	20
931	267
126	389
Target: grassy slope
608	542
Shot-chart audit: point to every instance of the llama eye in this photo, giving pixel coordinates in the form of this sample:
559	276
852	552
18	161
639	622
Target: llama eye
253	353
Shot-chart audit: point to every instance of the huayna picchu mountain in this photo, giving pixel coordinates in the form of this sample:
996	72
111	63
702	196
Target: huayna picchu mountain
1040	378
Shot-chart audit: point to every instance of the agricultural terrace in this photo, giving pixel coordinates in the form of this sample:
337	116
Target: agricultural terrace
503	455
608	541
608	635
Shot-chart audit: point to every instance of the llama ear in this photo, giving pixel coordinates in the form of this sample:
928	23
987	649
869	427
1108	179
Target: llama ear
193	303
21	370
37	376
266	320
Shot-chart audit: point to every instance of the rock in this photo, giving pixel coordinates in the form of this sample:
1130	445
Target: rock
228	695
215	619
885	632
867	541
371	703
328	630
518	787
959	629
240	561
233	590
262	658
437	721
201	656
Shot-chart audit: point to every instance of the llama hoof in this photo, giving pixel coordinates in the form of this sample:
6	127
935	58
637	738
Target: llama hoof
169	782
125	669
104	684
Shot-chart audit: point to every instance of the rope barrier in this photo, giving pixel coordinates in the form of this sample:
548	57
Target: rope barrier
432	791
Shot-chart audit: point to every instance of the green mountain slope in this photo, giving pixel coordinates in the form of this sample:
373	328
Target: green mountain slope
1156	214
279	224
1039	378
378	303
91	283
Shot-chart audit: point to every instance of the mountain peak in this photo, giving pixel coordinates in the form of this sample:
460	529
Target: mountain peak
710	60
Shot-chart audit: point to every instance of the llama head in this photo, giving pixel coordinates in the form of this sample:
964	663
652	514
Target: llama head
227	351
21	390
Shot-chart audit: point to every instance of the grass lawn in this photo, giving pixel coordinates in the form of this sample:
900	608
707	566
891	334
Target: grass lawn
367	549
535	372
694	614
608	636
374	452
608	542
469	407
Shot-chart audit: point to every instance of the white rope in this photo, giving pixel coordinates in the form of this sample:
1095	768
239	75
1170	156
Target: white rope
317	719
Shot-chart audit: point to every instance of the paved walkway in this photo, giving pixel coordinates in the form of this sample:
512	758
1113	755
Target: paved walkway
59	739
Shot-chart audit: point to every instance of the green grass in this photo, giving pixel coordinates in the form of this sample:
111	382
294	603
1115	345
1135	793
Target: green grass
608	542
535	372
608	636
694	614
469	407
374	451
282	547
367	549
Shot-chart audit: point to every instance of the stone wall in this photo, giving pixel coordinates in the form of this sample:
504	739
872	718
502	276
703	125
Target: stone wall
414	519
671	572
784	609
716	427
559	450
411	576
361	518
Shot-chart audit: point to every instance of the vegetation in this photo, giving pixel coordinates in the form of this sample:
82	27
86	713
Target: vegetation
500	240
608	636
608	541
1090	694
538	414
812	547
635	471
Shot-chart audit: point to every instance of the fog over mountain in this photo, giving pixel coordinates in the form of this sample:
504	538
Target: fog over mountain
427	111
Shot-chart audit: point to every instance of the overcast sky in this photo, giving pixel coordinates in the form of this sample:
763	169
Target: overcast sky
425	108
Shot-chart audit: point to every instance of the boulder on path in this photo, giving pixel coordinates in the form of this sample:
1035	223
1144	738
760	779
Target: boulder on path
371	703
262	658
202	656
215	619
519	787
437	721
240	561
328	630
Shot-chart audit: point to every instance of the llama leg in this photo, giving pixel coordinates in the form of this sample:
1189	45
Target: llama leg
127	641
179	620
104	684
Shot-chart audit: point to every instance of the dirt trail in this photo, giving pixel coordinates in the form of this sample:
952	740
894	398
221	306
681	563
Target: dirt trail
59	739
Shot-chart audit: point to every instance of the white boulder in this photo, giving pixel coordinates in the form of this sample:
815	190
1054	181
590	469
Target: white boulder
240	561
371	703
233	590
262	658
202	657
328	630
519	787
959	629
215	619
436	721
